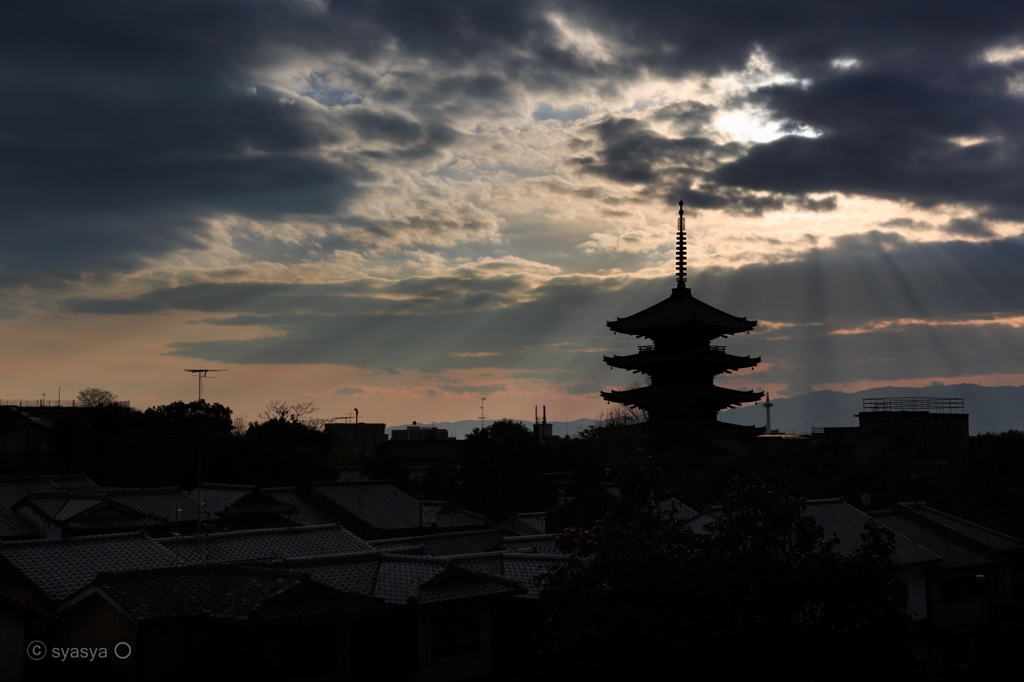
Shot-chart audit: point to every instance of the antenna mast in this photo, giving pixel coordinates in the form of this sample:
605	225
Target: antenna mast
201	374
482	411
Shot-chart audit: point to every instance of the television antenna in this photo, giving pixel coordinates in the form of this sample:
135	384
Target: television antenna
482	399
201	374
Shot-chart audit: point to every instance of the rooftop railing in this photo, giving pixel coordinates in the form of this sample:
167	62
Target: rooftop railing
915	404
46	402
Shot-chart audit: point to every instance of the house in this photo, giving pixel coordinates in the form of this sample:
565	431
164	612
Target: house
211	621
241	507
375	510
441	628
524	523
959	579
26	440
973	605
64	513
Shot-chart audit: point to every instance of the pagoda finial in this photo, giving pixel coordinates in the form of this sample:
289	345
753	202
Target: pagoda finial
681	250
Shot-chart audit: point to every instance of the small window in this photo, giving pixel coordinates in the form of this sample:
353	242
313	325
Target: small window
455	631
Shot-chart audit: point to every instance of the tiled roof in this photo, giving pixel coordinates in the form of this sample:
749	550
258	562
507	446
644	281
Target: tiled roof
529	523
13	526
443	544
679	309
222	497
539	544
13	488
385	507
534	522
301	511
236	593
219	495
399	579
142	506
522	568
952	554
467	542
847	522
986	536
272	543
380	505
59	568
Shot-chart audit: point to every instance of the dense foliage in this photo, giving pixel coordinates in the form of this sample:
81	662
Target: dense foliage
162	446
764	593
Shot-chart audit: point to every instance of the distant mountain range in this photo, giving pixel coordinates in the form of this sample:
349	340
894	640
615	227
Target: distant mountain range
459	429
991	408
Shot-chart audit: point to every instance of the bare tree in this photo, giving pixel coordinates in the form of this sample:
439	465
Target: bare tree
299	412
240	424
96	397
276	409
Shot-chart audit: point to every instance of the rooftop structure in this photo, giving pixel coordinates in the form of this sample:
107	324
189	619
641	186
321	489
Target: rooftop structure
935	427
914	404
681	364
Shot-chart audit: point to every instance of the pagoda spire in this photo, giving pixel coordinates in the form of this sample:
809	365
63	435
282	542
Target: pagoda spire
681	250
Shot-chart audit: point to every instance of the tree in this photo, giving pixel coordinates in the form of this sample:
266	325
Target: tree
764	592
299	412
96	397
498	471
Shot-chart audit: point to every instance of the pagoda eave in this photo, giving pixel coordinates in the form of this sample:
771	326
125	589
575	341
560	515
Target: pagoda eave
713	362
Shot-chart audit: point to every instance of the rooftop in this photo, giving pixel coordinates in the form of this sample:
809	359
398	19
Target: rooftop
271	543
383	506
59	568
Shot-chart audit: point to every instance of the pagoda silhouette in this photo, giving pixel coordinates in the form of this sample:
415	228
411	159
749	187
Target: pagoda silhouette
681	364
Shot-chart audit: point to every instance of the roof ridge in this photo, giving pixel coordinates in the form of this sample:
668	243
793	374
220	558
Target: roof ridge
224	486
255	531
539	536
414	558
344	557
414	539
972	524
141	491
16	478
77	539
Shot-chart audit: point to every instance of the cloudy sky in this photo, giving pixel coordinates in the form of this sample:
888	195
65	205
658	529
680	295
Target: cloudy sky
406	206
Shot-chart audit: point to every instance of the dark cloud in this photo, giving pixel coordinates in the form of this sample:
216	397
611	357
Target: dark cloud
349	390
896	136
126	126
966	227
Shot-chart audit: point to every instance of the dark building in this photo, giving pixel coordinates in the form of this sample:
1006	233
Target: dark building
419	432
359	437
935	427
681	364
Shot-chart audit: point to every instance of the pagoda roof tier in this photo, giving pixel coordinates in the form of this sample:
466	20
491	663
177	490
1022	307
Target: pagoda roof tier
717	361
716	397
679	310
